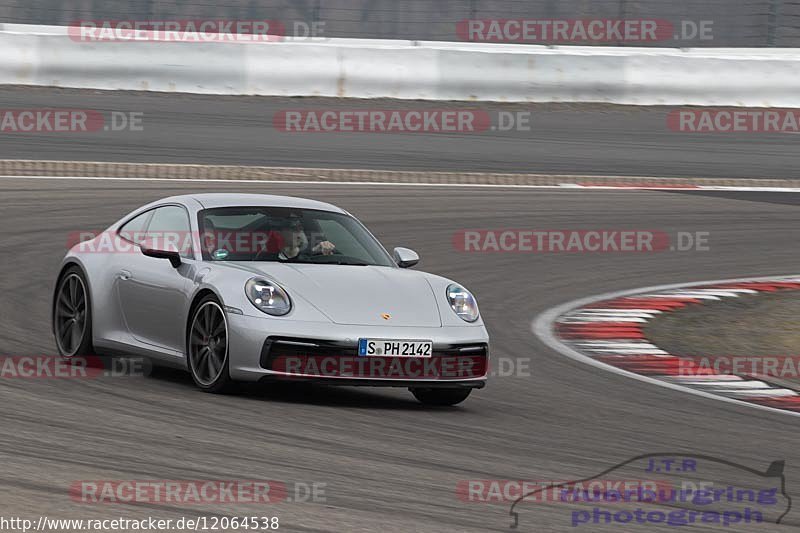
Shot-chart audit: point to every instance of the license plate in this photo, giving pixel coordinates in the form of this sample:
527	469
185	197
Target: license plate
394	348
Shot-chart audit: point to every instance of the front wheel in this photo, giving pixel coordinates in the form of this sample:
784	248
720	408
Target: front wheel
441	397
72	315
207	347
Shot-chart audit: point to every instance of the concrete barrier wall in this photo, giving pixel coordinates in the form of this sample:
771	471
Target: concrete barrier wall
47	56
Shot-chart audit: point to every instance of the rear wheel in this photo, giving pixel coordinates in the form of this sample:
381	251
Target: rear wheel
442	397
72	315
207	347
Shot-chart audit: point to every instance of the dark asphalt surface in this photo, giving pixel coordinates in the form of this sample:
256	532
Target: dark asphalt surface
563	139
389	463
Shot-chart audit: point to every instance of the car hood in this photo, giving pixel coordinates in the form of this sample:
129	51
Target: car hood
359	295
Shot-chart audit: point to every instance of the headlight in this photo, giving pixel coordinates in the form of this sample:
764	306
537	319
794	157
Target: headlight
268	297
462	302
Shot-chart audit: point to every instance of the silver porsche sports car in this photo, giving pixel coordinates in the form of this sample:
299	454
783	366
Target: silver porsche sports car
245	287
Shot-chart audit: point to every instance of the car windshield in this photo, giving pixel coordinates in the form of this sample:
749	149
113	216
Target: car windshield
287	235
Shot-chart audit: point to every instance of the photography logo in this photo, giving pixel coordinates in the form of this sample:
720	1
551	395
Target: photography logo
685	489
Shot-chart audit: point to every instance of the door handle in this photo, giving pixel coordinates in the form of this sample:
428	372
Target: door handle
124	275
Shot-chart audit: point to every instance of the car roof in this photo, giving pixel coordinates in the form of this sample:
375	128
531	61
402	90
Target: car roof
214	200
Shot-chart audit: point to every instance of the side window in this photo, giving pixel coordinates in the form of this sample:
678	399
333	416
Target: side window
133	231
170	224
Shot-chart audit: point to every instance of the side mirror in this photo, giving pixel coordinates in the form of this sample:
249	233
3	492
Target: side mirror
405	258
162	251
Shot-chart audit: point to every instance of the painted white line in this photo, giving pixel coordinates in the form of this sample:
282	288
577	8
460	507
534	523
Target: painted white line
749	189
287	182
726	291
604	318
700	295
629	351
613	315
702	378
560	186
623	356
626	354
705	292
744	384
543	328
623	311
612	344
695	188
758	393
682	295
623	351
599	319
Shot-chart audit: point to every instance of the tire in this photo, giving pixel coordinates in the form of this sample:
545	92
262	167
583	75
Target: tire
441	397
72	315
207	345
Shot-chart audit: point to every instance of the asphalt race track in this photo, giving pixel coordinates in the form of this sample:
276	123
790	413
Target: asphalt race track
387	462
564	139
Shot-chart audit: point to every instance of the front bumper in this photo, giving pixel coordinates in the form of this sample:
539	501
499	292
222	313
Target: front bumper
265	349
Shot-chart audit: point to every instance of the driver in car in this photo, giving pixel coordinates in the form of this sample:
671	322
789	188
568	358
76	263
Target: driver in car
295	243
